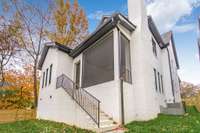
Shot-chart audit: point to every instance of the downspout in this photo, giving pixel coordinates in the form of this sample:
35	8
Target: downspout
121	80
171	74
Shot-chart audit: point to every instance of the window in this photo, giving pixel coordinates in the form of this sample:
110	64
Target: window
43	79
47	71
98	62
125	68
155	77
162	84
154	47
159	82
50	74
77	75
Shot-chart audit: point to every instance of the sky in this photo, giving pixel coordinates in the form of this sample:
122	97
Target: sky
180	16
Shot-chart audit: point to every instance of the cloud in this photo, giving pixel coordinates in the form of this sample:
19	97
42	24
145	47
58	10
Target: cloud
197	56
97	15
166	13
184	28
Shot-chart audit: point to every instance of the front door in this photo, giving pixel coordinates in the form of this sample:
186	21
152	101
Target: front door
77	75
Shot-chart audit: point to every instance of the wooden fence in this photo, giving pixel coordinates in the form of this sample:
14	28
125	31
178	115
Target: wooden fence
7	116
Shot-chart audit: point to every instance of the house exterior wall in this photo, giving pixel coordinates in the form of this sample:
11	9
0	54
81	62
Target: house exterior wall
142	63
158	65
61	107
141	101
167	77
175	77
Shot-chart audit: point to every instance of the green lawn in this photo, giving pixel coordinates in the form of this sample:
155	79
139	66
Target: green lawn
190	123
39	126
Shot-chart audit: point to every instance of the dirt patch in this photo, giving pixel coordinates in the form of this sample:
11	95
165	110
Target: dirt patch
16	115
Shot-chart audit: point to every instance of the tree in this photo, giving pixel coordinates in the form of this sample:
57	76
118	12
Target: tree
70	24
33	20
19	91
8	43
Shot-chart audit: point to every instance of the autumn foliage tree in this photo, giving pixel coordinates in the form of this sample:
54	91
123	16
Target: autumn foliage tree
33	22
19	92
70	24
60	22
9	45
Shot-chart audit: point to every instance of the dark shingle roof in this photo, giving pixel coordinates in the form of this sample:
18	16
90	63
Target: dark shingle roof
167	37
155	32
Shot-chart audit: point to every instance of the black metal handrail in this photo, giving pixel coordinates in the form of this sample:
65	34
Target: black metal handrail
89	103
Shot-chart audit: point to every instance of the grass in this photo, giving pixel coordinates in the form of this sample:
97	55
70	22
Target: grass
189	123
39	126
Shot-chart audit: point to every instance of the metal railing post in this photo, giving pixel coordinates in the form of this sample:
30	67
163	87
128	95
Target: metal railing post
98	114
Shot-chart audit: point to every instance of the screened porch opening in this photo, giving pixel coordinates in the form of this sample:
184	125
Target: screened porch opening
125	58
98	62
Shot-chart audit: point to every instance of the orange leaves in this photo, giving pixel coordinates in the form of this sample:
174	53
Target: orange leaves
21	79
71	23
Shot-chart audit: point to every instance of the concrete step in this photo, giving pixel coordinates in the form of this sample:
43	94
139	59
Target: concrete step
106	122
106	128
173	109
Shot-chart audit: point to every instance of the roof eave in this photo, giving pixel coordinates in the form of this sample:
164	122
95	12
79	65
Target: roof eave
102	30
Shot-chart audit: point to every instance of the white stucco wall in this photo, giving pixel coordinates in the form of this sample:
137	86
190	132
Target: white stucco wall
141	57
174	73
61	107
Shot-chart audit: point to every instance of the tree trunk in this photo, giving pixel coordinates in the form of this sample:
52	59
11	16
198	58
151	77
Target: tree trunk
35	83
1	72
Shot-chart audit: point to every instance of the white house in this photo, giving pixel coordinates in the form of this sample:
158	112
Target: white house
124	71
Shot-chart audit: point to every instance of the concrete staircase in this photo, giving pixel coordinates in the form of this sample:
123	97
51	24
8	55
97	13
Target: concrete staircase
173	109
107	123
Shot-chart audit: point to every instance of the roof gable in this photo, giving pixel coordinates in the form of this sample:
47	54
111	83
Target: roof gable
167	38
46	49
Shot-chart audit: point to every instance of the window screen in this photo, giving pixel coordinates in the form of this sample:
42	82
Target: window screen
98	62
125	69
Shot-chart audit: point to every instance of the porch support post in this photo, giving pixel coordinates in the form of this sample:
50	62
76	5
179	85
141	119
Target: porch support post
117	62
